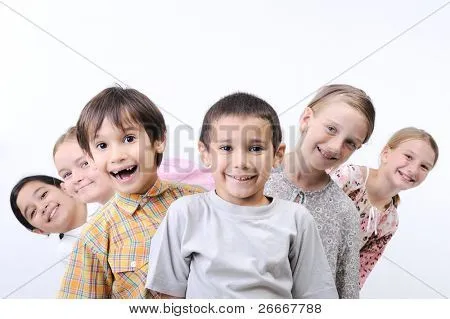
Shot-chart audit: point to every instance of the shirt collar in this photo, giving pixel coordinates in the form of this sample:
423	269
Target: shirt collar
129	203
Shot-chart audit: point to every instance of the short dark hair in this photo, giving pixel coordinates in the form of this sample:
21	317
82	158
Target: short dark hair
241	104
18	187
120	105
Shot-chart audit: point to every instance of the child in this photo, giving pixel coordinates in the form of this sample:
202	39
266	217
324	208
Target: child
124	133
39	204
81	178
406	160
338	121
233	242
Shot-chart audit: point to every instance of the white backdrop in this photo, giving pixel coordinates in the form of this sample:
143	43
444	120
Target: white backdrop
184	55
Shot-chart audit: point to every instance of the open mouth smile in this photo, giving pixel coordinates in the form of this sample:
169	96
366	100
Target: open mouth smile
406	177
327	155
124	174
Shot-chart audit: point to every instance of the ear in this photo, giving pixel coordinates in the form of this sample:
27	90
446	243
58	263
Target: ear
39	232
160	146
306	116
385	154
279	155
205	156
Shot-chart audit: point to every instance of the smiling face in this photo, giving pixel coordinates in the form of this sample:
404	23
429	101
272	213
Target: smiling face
127	156
241	156
48	208
81	177
330	134
407	165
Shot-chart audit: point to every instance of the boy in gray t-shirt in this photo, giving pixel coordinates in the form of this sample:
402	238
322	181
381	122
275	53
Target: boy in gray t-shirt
234	242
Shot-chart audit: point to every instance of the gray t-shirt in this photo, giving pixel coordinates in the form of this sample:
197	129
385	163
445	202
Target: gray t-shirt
209	248
338	223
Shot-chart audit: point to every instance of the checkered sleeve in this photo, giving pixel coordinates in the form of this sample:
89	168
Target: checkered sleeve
87	274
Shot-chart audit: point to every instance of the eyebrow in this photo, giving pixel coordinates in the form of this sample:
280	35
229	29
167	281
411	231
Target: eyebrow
125	130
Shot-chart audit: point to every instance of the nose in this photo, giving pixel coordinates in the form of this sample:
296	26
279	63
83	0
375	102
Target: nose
42	207
77	175
413	169
117	154
240	159
335	145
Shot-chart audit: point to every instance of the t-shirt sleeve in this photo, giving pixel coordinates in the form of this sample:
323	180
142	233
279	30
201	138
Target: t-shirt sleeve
168	268
312	277
349	177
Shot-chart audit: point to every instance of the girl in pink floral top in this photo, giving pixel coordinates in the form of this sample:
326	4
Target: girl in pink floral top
405	162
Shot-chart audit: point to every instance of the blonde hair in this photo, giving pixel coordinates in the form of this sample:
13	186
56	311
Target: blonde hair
411	133
354	97
69	135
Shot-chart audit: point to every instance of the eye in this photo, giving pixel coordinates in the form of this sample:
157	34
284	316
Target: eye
255	149
352	145
33	213
44	194
84	164
425	168
66	175
225	148
101	146
408	157
129	139
331	129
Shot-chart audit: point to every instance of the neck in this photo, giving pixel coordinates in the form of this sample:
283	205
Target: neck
107	197
80	215
298	171
379	189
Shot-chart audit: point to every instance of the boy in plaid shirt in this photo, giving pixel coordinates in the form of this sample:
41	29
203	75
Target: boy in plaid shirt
124	132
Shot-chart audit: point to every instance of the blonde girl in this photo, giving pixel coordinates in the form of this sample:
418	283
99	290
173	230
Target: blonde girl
337	122
405	162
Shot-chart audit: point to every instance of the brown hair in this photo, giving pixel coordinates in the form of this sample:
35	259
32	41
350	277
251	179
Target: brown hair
241	104
120	105
411	133
69	135
356	98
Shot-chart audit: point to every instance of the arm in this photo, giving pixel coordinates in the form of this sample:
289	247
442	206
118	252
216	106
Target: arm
370	253
312	277
347	267
87	274
169	269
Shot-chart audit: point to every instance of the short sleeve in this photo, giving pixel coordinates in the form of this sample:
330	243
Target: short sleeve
168	268
349	177
312	277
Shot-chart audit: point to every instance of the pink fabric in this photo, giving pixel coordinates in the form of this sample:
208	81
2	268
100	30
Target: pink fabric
186	172
352	180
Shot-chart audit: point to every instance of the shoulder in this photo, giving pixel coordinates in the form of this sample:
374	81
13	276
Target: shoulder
276	183
343	205
95	234
181	189
297	211
349	177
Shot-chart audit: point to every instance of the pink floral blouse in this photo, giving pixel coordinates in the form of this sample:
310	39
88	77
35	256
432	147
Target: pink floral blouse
377	227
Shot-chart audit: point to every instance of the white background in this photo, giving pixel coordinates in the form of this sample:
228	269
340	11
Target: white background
185	55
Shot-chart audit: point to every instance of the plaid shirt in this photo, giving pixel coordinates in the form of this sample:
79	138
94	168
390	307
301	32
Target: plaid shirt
111	258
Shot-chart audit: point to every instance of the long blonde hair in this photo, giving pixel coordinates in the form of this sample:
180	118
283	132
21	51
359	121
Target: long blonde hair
356	98
406	134
69	135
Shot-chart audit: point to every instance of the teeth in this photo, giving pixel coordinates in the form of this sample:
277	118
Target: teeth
53	212
242	178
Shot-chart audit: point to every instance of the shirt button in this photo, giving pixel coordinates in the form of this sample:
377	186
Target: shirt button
133	264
